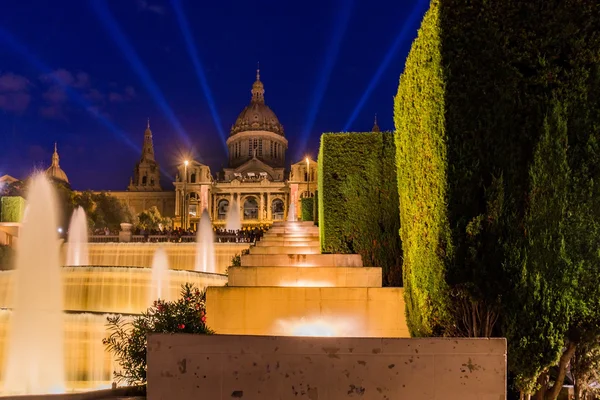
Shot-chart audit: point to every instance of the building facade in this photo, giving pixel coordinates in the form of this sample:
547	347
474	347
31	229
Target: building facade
255	177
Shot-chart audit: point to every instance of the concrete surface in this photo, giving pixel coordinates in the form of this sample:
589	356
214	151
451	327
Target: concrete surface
223	367
289	311
307	277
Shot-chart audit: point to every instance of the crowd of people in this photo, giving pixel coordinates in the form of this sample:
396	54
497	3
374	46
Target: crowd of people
179	235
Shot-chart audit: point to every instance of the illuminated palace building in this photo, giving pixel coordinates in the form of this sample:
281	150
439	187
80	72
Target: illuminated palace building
255	177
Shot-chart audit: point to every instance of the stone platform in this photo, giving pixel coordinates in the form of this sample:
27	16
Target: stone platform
307	277
283	288
219	367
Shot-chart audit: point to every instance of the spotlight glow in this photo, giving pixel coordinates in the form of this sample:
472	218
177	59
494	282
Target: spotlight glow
110	24
20	48
191	47
318	326
345	11
403	37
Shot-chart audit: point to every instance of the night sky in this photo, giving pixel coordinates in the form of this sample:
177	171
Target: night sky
87	74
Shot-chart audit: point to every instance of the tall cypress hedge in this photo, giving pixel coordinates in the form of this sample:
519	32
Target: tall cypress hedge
307	208
358	199
473	104
12	208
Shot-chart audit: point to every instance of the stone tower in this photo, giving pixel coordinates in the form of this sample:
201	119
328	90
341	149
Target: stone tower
146	175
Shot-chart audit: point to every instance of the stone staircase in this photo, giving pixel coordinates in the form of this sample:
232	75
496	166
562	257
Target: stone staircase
285	287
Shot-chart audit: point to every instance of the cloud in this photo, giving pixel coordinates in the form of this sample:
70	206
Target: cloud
55	111
144	5
128	95
14	93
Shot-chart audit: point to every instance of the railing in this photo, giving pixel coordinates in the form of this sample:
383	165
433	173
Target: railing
104	238
219	238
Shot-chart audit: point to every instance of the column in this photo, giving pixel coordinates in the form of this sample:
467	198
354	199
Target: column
177	206
269	207
261	205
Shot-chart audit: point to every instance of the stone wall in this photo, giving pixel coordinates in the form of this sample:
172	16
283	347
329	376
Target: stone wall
260	368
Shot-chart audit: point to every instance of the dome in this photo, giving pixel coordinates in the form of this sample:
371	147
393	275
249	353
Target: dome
55	171
257	116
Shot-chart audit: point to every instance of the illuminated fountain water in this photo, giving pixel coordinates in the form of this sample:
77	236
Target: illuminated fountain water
160	276
205	245
292	212
35	346
77	253
233	221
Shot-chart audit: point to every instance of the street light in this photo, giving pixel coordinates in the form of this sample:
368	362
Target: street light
184	215
307	177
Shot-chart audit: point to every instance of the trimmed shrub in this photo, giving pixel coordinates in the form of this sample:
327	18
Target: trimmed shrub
307	208
358	200
471	113
7	257
316	208
12	208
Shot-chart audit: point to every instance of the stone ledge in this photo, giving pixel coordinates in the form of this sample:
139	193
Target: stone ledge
302	260
285	311
220	367
305	276
285	250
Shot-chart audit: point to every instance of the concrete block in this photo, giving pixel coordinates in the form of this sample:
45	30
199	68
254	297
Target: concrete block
220	367
287	311
302	260
285	250
285	242
305	277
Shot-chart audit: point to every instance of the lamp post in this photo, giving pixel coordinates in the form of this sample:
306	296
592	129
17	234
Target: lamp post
185	210
307	177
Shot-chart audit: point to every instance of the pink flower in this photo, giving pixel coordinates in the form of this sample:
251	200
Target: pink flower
180	326
203	319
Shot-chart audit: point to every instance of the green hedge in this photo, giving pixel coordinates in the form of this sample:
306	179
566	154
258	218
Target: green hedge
12	208
471	107
307	208
358	200
316	208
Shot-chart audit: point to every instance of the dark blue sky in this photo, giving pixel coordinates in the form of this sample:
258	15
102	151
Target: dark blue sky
87	74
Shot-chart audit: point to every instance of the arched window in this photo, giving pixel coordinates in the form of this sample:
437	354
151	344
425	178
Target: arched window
277	209
222	209
251	208
306	194
151	181
144	180
193	178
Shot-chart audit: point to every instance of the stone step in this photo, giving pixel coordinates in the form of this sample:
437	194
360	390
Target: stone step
307	311
291	235
289	243
285	250
290	239
294	223
313	230
305	277
302	260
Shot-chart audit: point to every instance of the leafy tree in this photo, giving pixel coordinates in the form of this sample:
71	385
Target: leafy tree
497	177
109	212
127	340
585	369
151	219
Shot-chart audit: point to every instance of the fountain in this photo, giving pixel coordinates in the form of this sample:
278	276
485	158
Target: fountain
160	276
77	253
233	221
292	212
205	245
35	360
